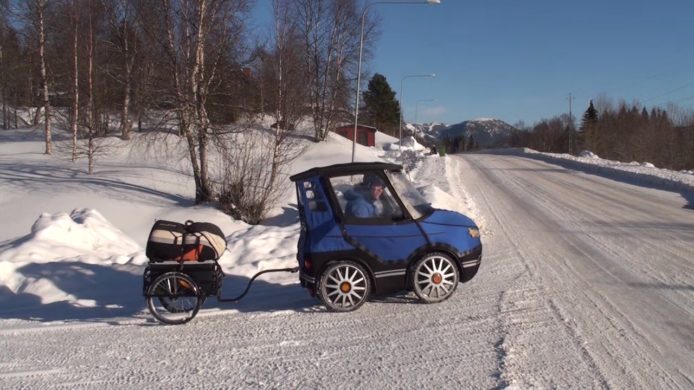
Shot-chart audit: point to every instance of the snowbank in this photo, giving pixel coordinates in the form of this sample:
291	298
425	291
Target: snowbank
644	174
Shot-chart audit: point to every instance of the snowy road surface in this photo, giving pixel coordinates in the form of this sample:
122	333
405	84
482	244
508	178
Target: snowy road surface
585	283
604	282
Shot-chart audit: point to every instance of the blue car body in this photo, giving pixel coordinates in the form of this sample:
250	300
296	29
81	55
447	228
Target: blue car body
387	248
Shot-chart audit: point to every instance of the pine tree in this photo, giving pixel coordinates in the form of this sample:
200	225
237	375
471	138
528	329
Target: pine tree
587	132
471	145
381	109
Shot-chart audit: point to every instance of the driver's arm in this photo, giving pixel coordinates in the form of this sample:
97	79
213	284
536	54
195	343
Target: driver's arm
361	210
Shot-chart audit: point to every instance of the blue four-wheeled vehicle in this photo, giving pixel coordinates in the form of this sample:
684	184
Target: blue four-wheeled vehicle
358	239
364	230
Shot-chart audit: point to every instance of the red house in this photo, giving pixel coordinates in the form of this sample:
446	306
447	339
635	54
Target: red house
366	135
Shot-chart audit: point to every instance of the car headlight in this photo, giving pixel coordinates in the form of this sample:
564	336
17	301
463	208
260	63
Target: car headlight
473	232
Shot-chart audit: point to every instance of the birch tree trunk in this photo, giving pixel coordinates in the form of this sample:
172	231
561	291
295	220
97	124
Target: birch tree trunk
90	92
200	92
186	117
41	5
128	62
75	82
5	109
3	81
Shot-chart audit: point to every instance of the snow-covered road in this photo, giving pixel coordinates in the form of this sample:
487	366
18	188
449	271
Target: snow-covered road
604	282
585	283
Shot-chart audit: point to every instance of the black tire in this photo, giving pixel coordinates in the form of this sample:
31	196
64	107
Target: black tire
344	286
434	277
174	298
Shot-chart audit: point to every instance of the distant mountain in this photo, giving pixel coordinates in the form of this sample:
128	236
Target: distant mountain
426	134
487	132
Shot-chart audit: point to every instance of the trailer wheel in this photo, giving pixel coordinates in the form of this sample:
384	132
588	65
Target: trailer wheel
434	277
344	286
174	298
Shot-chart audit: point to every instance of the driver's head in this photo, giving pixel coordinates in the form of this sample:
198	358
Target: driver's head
375	185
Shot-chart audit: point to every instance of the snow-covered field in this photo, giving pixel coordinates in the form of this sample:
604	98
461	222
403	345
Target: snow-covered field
72	256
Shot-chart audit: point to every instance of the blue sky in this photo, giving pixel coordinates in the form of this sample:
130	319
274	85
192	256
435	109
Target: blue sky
519	60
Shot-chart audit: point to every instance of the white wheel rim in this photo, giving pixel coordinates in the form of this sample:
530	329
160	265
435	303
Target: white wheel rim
435	277
345	286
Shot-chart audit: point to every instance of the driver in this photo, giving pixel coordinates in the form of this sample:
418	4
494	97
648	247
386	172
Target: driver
364	202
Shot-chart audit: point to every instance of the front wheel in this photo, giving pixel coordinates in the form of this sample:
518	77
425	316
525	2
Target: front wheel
344	286
434	277
174	298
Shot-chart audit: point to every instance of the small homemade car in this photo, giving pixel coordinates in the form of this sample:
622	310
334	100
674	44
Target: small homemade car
365	229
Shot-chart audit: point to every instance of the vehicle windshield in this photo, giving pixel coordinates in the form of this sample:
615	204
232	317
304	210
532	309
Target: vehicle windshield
410	196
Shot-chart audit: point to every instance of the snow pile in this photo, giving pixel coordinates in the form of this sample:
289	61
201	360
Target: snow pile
412	144
408	143
83	237
633	172
588	154
84	234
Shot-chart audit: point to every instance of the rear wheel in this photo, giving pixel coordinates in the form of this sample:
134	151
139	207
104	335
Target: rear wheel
174	298
435	277
344	286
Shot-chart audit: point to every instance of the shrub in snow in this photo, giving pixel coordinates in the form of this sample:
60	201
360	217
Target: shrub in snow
252	165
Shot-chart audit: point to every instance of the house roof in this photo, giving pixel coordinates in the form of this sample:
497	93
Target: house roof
360	126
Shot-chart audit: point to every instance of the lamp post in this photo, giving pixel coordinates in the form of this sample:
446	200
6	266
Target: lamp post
416	107
361	49
402	99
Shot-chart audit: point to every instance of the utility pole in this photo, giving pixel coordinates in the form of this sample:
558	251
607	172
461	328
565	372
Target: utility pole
571	125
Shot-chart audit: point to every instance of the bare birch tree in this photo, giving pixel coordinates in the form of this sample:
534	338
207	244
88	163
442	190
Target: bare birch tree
91	116
124	42
195	37
37	9
331	32
4	68
75	77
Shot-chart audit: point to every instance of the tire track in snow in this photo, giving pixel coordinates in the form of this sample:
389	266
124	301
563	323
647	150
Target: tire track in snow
599	300
628	357
523	310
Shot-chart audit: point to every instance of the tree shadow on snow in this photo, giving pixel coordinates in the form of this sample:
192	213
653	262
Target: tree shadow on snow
38	177
107	294
289	216
263	296
95	293
30	133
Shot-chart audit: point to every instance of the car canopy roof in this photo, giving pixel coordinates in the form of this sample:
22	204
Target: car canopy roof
339	169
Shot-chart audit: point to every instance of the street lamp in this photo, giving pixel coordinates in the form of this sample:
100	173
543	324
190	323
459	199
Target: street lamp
402	99
416	107
361	49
